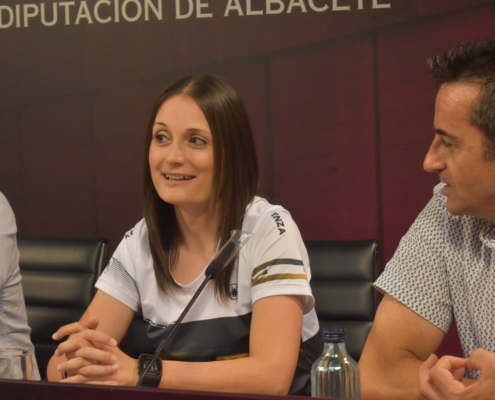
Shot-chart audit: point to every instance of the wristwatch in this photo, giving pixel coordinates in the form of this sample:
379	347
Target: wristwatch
154	374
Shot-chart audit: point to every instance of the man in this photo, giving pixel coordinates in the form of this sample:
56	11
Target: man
14	330
444	267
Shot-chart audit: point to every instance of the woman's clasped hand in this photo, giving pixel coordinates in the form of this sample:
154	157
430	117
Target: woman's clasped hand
92	356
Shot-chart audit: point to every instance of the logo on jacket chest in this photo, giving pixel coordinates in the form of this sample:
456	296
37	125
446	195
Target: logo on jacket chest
233	291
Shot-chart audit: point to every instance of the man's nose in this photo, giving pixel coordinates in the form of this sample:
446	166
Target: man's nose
434	161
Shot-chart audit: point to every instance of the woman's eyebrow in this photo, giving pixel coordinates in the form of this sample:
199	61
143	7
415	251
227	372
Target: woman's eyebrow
197	130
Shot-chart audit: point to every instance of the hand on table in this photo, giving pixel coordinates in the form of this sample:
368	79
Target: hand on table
89	359
443	379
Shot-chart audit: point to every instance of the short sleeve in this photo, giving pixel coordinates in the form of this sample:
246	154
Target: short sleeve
279	263
119	276
417	273
9	255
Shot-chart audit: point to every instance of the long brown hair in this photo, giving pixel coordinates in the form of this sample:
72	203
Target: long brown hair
235	173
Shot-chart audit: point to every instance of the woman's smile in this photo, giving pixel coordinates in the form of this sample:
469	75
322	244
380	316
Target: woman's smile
175	177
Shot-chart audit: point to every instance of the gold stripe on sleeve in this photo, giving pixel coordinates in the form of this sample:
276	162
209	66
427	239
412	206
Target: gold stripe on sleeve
276	277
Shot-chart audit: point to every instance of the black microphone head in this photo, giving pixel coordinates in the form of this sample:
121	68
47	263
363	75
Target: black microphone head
214	268
221	260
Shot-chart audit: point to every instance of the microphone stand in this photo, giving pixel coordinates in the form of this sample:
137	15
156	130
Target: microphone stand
220	259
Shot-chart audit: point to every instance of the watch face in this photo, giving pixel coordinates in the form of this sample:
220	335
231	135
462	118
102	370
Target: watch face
156	367
154	374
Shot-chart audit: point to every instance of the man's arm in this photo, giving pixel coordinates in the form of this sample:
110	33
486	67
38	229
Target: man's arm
399	341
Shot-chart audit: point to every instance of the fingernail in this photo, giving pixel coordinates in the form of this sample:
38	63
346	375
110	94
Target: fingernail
53	336
113	359
113	342
115	367
59	368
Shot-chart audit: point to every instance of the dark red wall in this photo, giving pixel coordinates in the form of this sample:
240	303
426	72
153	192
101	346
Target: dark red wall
341	105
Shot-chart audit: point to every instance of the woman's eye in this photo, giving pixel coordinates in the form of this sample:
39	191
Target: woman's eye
160	137
196	141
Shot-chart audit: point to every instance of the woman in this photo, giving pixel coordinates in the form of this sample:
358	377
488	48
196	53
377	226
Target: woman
254	328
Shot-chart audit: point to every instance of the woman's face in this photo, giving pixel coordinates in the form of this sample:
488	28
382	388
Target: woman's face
181	154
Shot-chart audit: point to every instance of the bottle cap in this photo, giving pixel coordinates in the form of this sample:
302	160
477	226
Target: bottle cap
333	335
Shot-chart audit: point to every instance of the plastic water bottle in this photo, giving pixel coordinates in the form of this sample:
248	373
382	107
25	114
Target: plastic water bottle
335	374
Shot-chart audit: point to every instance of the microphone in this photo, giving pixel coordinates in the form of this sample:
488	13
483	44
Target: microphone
219	260
217	264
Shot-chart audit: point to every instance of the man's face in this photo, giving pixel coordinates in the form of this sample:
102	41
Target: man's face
456	154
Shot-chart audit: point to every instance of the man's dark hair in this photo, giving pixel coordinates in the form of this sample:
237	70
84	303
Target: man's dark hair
473	62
